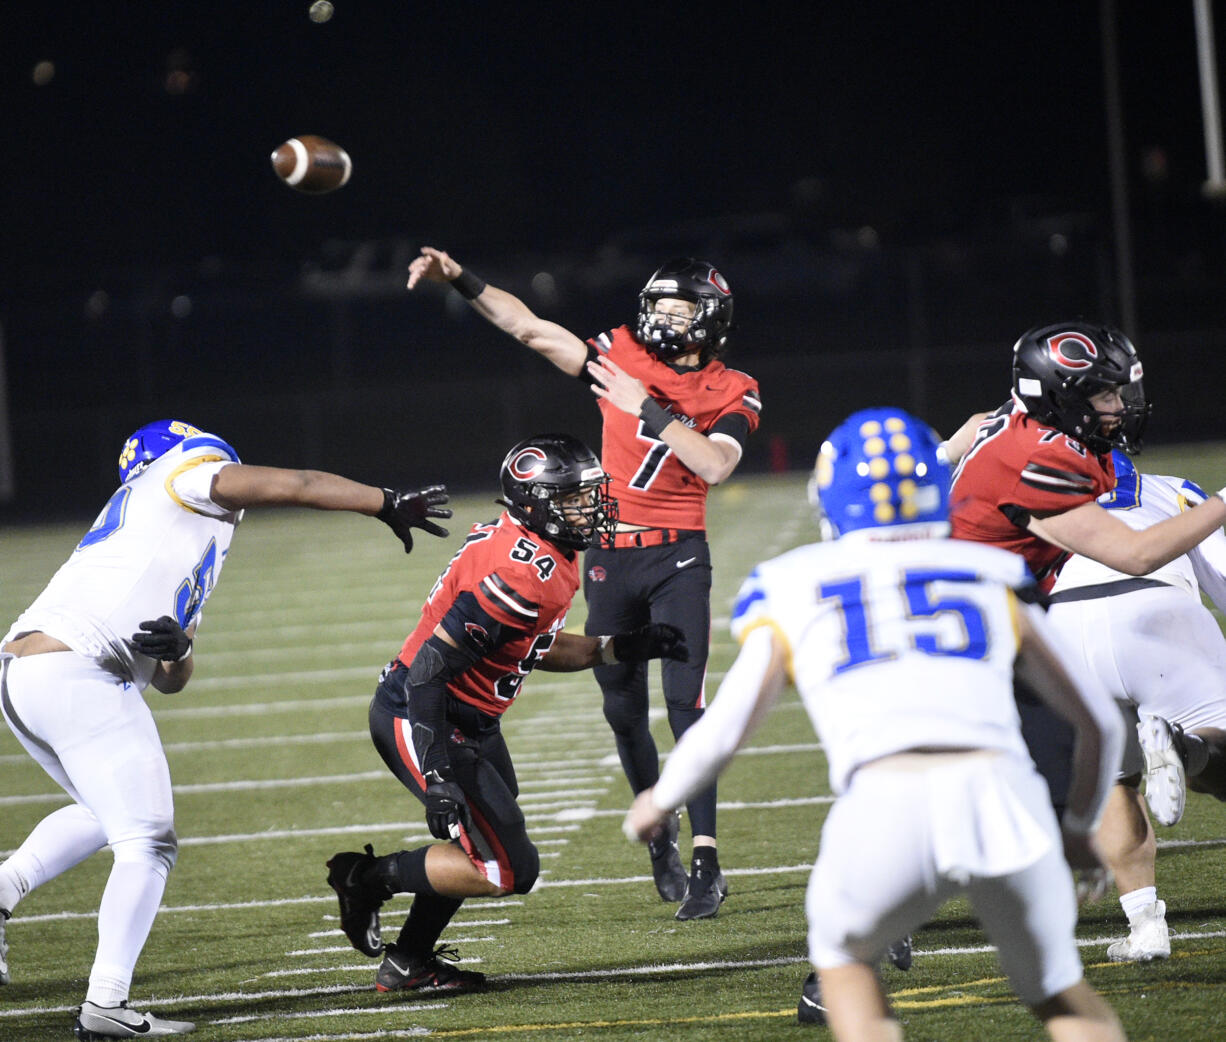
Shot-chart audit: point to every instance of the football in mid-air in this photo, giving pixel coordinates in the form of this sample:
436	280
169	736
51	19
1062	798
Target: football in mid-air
312	164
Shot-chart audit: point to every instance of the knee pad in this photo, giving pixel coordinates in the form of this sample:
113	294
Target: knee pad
625	712
160	850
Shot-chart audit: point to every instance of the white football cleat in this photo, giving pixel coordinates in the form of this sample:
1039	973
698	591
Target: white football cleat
1166	787
1148	939
96	1023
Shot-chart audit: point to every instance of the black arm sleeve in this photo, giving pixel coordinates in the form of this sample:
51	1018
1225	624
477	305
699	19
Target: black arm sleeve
584	375
734	425
474	629
476	634
435	663
1017	515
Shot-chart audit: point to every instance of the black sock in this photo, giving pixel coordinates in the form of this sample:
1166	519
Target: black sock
428	918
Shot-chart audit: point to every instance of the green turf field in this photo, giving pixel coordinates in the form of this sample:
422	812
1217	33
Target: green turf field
274	772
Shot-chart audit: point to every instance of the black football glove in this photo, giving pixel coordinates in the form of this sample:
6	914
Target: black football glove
446	809
163	639
656	640
404	511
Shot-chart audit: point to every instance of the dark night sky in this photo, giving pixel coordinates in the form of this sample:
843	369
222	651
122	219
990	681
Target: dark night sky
548	126
531	134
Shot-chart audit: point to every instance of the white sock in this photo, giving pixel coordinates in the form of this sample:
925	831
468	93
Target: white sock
13	886
125	916
1136	903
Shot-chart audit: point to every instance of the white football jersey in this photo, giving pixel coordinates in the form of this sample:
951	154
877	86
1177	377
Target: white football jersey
1143	500
156	549
894	645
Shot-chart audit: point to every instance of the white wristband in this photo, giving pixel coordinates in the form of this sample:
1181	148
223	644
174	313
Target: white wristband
606	650
187	654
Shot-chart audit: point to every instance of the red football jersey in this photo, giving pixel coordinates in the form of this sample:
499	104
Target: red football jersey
652	487
522	581
1016	468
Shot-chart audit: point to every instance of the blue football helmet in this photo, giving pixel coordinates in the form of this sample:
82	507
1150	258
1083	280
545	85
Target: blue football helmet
879	468
156	439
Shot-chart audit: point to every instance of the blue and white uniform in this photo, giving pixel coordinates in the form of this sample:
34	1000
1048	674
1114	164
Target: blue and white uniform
903	655
156	549
903	644
1151	641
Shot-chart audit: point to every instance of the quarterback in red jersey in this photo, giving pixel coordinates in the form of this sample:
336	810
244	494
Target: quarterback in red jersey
675	420
494	615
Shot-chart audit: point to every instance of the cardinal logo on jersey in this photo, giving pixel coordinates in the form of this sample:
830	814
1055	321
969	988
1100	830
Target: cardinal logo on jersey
1072	350
479	635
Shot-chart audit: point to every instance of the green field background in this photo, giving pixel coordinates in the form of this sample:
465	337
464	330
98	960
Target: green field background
274	772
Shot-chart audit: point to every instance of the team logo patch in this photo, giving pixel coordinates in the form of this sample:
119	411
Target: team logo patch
528	464
1072	350
477	634
719	282
597	574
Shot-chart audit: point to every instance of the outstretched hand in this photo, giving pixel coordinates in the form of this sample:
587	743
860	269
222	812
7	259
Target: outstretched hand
655	640
404	511
434	266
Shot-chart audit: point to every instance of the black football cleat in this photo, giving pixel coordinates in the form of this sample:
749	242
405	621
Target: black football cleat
810	1010
429	973
705	893
359	904
899	953
666	866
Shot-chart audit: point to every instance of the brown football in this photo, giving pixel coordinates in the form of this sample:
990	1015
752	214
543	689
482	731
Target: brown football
313	164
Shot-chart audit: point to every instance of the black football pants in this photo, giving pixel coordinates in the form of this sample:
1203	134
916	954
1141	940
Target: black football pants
626	589
482	767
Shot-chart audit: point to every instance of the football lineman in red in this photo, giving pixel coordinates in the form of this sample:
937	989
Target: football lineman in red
675	420
1029	483
1031	477
494	615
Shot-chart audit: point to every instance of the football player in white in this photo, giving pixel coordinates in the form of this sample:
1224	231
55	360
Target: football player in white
903	645
120	615
1152	643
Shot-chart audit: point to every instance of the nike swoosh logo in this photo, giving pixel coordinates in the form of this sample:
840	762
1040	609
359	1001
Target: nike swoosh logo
688	560
142	1028
402	970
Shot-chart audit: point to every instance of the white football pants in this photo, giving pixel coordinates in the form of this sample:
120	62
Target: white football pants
901	841
95	736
